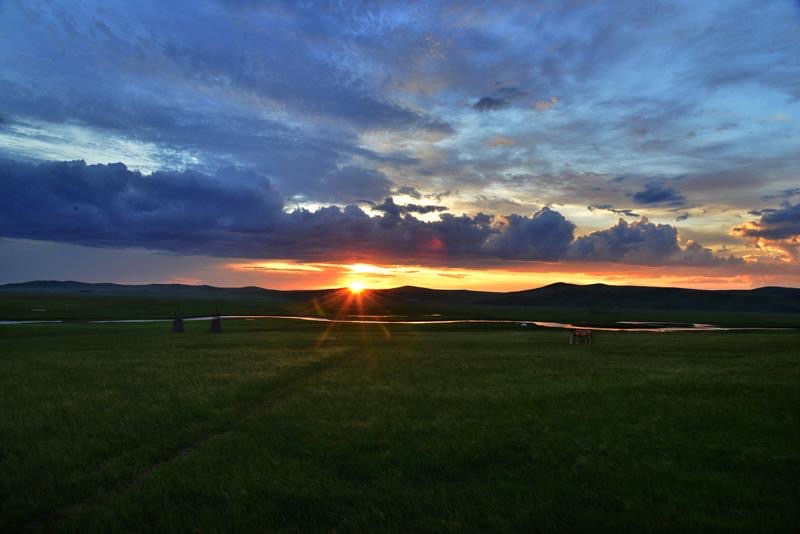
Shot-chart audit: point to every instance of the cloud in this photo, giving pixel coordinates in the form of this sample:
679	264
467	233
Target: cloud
427	208
544	105
500	141
644	243
776	232
234	214
726	126
291	105
488	103
408	191
774	224
784	194
777	117
546	235
351	183
300	101
239	213
610	208
656	193
390	208
109	205
500	99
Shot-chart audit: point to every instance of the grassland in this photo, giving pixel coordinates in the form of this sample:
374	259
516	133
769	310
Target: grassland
276	426
81	307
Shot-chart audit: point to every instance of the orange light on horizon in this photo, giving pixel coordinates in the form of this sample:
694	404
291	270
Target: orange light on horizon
356	287
356	278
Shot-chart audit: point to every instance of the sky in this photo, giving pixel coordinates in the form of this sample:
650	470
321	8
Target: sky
480	145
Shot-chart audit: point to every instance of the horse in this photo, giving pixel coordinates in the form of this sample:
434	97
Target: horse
581	335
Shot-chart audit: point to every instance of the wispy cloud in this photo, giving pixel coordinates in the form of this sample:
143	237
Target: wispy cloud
544	105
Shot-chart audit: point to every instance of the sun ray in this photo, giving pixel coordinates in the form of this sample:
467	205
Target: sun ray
356	287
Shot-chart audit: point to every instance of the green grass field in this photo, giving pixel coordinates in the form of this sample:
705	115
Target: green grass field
441	428
85	307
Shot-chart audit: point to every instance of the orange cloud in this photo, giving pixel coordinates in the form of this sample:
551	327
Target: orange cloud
544	105
500	141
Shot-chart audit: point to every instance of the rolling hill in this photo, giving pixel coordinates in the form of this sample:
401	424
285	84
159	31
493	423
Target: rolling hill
558	295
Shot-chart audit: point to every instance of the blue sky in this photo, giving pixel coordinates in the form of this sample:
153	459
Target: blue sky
567	132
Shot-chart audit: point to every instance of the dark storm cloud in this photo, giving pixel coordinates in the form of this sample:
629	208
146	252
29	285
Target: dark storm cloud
658	193
239	213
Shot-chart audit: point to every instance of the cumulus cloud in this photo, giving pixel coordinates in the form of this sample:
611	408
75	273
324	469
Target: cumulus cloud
642	242
657	193
546	235
238	213
778	223
777	231
109	205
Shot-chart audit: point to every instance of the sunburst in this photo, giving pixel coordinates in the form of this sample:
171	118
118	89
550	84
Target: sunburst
356	287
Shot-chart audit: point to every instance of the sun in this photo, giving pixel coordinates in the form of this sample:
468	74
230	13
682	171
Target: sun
356	287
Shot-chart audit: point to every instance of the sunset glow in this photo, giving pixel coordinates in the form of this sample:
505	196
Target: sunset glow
356	287
498	277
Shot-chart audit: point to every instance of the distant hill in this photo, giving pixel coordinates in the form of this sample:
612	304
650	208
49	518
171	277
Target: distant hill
154	290
602	296
559	295
424	294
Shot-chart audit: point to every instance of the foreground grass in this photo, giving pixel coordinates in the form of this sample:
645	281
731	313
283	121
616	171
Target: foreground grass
126	427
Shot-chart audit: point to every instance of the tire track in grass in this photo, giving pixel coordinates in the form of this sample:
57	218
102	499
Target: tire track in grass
284	387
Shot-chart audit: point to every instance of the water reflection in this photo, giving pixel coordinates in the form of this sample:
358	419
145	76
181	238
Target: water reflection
636	326
372	319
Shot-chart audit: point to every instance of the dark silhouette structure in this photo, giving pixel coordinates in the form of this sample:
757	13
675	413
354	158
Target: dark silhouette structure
177	323
216	325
